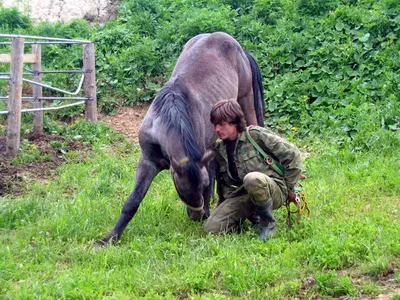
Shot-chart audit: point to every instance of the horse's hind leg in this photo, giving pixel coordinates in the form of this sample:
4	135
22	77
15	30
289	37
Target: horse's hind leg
145	173
247	104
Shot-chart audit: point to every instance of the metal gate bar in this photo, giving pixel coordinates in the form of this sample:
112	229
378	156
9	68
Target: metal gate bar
4	112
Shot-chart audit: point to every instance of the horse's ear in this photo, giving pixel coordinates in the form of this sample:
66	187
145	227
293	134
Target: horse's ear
209	155
176	166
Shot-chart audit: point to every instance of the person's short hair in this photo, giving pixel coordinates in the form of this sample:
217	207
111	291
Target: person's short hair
228	111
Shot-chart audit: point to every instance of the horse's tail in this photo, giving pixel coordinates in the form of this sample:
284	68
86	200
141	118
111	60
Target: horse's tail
258	90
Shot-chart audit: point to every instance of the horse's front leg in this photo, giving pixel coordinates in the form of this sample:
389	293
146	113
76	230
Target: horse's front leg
145	173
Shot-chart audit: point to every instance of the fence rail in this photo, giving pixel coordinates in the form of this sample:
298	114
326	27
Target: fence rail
30	99
17	58
45	108
45	38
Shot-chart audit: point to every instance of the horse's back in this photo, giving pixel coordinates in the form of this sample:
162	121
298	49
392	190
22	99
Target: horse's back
209	50
213	66
220	43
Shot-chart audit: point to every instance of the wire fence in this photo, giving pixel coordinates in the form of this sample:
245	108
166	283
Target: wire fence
15	77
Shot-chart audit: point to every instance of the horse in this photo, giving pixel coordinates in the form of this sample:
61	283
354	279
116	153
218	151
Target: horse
176	133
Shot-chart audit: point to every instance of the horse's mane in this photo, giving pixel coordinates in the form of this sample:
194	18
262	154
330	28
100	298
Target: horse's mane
171	106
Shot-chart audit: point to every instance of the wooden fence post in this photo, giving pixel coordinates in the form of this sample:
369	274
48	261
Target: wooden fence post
15	97
90	83
37	90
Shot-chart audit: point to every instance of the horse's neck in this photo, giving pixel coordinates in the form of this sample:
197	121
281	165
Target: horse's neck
173	145
181	120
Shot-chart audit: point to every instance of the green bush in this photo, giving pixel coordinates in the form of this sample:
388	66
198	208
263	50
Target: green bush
13	21
330	68
317	7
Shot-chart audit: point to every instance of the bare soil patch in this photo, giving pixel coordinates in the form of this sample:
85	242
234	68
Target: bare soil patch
12	176
127	121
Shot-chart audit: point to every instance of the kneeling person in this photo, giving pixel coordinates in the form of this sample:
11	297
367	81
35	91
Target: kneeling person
246	183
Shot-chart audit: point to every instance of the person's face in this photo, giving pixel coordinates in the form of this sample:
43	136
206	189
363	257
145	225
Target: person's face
226	131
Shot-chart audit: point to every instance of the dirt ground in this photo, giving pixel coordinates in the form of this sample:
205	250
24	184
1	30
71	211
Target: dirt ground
12	175
126	121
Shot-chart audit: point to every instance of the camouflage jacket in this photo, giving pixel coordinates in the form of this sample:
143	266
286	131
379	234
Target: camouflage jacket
248	159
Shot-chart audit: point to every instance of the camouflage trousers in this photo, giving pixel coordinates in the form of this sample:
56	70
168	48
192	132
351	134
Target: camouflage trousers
257	189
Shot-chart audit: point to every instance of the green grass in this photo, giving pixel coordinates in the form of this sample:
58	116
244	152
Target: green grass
349	241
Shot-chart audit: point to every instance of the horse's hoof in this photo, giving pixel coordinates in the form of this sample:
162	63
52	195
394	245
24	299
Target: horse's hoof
100	243
110	238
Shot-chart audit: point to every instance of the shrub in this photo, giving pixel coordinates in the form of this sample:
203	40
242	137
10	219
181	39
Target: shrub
12	20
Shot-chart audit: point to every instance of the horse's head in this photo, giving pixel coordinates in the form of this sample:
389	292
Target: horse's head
192	182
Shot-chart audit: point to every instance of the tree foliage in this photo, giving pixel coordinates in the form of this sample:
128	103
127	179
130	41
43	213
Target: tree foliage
330	68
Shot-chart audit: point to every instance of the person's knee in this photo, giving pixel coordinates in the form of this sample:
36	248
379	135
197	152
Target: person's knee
257	185
218	223
253	181
212	226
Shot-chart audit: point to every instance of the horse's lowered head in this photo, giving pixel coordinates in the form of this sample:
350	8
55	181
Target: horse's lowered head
192	183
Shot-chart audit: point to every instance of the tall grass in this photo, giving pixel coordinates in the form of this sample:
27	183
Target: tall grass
350	240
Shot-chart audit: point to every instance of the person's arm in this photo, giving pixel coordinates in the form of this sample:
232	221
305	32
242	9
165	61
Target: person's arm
224	184
287	154
293	169
218	177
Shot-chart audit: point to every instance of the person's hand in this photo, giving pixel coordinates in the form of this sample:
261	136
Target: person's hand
291	196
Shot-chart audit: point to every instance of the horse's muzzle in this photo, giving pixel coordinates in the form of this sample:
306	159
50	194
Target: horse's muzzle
196	216
195	213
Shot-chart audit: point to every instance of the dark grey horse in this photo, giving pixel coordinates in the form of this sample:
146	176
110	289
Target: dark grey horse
176	131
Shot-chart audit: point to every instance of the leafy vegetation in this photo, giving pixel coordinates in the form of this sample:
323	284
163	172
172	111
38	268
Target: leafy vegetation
12	20
325	64
331	78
